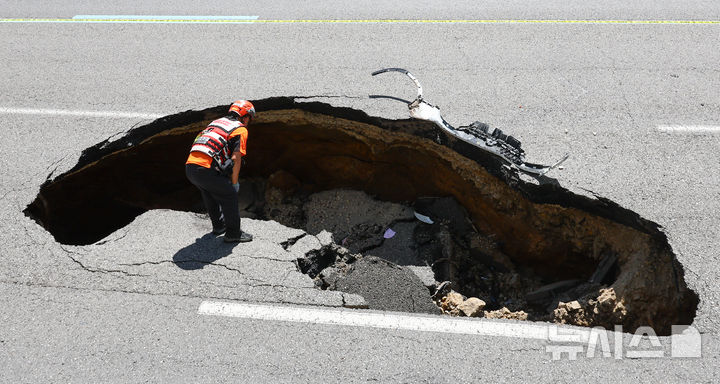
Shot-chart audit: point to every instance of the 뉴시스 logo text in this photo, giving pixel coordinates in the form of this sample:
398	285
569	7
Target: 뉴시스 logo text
569	343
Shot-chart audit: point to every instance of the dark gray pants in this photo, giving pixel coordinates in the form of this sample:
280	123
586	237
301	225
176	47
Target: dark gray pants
219	196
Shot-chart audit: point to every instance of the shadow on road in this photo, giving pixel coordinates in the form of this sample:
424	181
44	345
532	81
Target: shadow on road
204	251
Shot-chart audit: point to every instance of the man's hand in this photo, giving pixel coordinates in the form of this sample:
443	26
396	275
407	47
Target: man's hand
236	186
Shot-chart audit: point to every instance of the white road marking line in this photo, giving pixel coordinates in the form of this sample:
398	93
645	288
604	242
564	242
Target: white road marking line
254	20
389	320
77	113
689	128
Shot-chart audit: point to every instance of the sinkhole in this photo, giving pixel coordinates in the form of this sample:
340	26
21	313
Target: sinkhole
533	247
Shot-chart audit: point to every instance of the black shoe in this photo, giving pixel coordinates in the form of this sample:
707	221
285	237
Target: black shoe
244	237
219	230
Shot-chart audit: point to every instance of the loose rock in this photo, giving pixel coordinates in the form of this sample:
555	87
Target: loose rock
505	313
450	303
603	310
472	307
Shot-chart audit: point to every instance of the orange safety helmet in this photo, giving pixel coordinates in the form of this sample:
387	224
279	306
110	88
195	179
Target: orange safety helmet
243	108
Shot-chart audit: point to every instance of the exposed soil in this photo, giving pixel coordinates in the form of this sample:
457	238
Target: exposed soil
517	246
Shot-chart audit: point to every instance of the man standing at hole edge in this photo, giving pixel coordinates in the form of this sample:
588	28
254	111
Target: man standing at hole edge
215	155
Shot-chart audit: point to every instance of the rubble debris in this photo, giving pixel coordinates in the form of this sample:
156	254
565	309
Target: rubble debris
585	289
319	260
425	274
401	249
442	290
602	310
363	237
478	134
544	295
283	208
384	285
424	218
340	211
504	313
487	250
447	210
450	303
472	307
292	241
455	304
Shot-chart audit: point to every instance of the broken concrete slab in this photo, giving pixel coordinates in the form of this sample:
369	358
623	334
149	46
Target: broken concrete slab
301	245
338	211
351	300
400	249
425	274
385	286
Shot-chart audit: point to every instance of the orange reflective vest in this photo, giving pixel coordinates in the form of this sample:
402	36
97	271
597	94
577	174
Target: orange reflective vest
213	141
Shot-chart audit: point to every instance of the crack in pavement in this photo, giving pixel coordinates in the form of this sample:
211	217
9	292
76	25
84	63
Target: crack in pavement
293	240
103	242
267	258
189	261
96	270
138	292
405	338
628	111
527	349
56	164
251	281
207	283
33	239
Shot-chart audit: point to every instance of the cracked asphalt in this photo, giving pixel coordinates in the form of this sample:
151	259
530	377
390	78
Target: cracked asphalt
125	309
260	271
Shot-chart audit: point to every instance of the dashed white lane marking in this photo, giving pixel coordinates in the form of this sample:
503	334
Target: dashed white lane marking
77	113
389	320
699	129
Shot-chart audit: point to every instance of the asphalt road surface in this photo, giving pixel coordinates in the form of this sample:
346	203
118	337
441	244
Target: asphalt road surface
117	312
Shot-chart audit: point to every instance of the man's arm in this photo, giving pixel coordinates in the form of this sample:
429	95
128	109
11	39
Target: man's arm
239	138
237	159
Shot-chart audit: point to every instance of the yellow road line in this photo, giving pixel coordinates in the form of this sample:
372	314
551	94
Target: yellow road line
498	21
356	21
